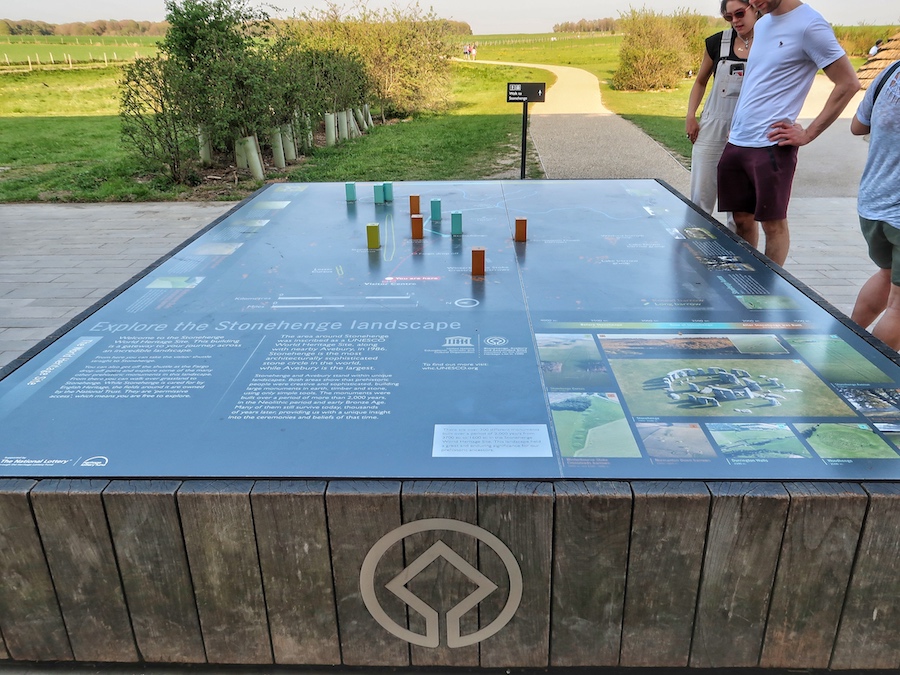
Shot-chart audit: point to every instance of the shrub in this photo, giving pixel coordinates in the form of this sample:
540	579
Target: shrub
858	40
153	125
654	53
406	52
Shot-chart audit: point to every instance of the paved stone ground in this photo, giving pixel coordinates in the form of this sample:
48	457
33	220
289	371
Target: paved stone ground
58	260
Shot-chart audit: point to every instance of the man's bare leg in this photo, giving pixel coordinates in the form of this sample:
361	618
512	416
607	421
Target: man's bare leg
888	327
872	298
746	227
778	240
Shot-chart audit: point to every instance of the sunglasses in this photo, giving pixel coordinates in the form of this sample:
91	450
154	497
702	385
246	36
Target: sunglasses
737	15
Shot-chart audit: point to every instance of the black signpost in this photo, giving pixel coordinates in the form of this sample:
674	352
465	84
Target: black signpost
525	92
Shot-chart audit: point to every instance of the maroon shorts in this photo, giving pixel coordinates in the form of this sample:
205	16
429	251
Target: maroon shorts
757	180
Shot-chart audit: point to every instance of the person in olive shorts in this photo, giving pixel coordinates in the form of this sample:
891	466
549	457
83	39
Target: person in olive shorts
756	171
878	203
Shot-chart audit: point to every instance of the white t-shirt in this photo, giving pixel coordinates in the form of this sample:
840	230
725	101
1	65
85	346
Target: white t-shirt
879	189
787	51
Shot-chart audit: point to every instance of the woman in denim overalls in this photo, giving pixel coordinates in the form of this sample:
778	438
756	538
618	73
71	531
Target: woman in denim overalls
725	53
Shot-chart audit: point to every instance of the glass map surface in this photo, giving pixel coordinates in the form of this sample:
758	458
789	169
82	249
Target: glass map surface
627	337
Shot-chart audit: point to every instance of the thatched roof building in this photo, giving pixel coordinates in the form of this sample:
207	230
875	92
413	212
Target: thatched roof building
889	52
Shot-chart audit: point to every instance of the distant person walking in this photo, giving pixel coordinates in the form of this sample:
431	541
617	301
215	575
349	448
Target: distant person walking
756	172
724	59
878	204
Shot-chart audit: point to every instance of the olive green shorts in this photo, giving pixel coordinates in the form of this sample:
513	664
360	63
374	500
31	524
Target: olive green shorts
884	245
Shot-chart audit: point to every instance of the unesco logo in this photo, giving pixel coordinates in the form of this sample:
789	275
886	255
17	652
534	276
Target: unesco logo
398	585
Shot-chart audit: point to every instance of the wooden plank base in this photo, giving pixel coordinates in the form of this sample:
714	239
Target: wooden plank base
461	574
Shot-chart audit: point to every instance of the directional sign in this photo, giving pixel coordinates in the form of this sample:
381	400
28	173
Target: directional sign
525	92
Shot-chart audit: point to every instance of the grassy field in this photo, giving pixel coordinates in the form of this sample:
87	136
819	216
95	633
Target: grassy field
47	50
836	361
758	441
804	394
59	140
599	431
845	441
59	134
572	362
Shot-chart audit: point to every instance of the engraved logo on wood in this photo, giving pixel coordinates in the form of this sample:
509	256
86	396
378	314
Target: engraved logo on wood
398	585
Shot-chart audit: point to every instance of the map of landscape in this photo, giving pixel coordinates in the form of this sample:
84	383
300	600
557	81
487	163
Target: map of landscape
628	336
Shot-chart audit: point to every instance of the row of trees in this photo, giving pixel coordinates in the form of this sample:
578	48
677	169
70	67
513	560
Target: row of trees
586	26
126	27
227	72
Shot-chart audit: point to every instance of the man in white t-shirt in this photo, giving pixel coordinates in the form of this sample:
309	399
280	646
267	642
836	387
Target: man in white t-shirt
791	43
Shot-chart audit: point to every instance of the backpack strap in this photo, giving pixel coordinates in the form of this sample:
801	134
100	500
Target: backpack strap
881	83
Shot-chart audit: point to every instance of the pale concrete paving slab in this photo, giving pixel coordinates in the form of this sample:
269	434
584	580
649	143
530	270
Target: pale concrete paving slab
57	260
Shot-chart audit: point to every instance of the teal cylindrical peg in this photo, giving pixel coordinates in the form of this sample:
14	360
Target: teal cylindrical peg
379	194
435	209
456	222
350	189
388	192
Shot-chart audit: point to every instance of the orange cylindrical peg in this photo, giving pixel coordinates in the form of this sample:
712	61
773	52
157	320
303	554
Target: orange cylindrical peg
414	204
521	229
418	226
477	262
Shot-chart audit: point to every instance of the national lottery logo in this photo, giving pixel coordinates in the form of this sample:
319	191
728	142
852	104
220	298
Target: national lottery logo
484	586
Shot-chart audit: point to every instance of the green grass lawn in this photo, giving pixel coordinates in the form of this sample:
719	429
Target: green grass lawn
837	361
59	134
599	431
845	441
773	441
45	51
60	141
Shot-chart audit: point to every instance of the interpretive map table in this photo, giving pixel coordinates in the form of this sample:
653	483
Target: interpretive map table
474	424
626	337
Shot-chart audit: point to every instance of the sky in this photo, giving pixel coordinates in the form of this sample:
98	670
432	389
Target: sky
484	16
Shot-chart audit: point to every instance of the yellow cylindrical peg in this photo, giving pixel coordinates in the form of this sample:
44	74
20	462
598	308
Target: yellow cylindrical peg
373	235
